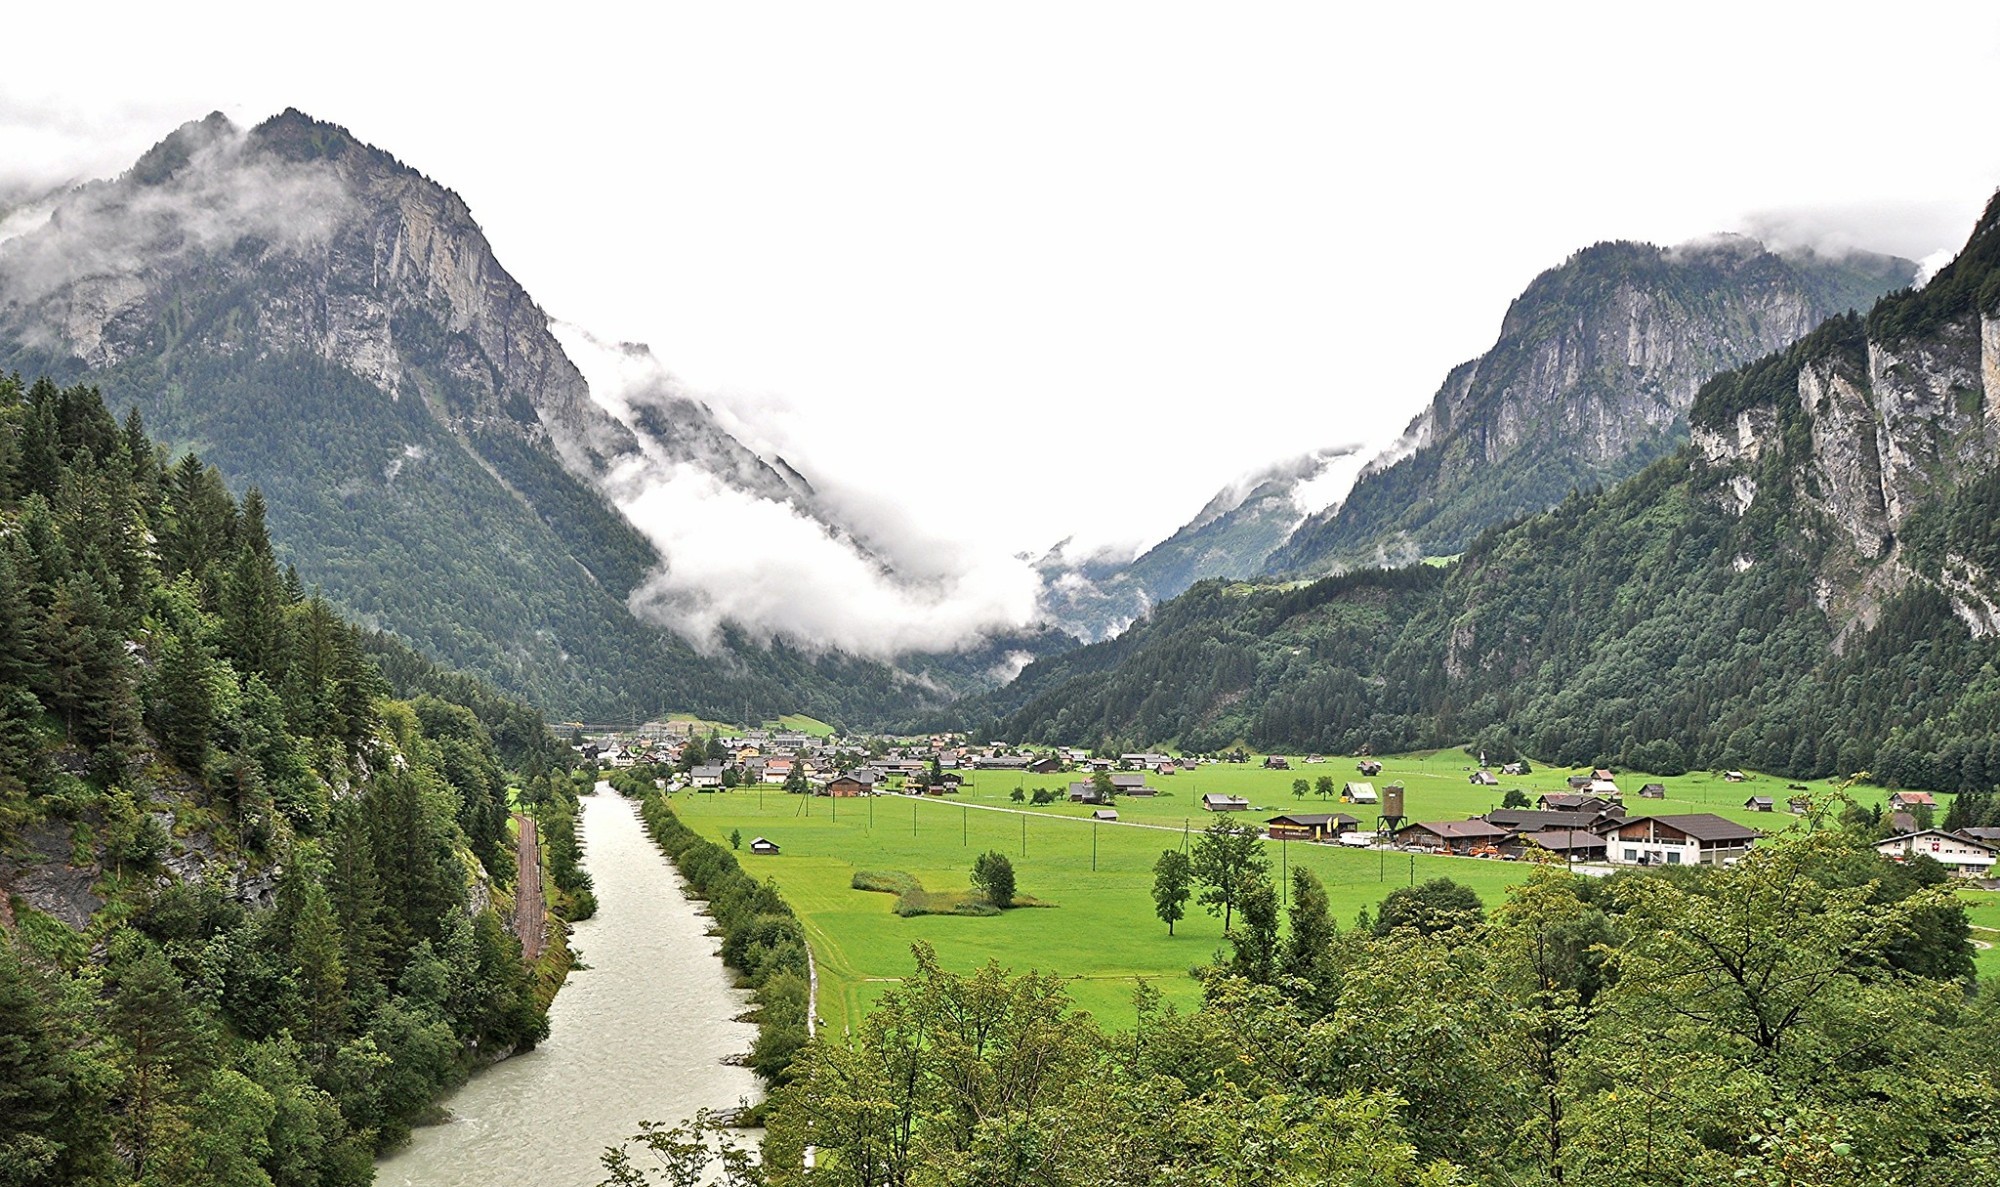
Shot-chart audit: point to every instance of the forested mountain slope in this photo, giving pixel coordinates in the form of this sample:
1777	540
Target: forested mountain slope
254	912
1809	587
326	323
1596	365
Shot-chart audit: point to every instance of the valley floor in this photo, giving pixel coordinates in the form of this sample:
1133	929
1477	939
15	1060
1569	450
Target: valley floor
1102	929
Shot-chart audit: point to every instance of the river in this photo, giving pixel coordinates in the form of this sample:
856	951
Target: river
639	1034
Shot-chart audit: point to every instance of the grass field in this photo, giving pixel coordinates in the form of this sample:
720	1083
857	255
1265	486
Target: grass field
1102	929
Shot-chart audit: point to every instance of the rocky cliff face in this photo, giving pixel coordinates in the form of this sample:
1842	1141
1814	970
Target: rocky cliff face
1594	370
345	253
322	321
1874	428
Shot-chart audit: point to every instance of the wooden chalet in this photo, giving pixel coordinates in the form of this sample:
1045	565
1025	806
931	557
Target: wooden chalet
1701	838
847	786
1369	767
1910	801
1132	785
1569	801
1569	844
1105	814
1217	802
1483	779
1049	765
1310	826
1277	762
764	846
1084	791
1535	820
1452	836
1653	791
1360	793
1761	803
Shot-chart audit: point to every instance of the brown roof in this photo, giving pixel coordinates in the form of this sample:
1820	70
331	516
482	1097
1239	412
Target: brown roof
1458	830
1308	819
1702	826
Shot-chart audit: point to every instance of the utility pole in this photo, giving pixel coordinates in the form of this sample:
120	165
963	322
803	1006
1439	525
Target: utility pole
1024	834
964	826
1093	846
1284	870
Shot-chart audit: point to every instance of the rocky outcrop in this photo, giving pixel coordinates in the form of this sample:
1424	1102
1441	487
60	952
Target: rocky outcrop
1592	376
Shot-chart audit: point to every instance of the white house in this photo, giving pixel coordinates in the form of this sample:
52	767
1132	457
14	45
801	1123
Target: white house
1702	838
1963	856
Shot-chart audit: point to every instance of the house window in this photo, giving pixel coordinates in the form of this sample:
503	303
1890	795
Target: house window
1631	855
1673	859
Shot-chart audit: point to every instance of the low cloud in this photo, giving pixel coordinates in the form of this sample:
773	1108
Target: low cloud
753	542
1909	229
206	191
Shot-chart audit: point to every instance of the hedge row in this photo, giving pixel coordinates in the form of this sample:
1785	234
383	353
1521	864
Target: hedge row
761	939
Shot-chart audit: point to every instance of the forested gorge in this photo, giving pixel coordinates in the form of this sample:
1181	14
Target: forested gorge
253	902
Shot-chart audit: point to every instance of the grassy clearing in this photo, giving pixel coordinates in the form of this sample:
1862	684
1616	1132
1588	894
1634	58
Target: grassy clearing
810	726
1983	908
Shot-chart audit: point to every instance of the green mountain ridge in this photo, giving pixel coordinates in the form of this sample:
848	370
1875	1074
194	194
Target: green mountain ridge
1808	587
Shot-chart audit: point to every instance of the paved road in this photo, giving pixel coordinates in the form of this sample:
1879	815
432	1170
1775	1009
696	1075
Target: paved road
530	912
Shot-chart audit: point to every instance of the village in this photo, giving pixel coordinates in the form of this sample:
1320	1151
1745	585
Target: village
1589	826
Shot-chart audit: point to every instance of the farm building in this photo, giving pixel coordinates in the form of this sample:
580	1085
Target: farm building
763	845
1570	844
1452	836
1084	791
1962	855
1761	803
1360	793
1132	785
845	786
1560	801
1701	838
1653	791
1277	763
1483	779
1910	801
1217	802
1105	814
1369	767
1310	826
1535	820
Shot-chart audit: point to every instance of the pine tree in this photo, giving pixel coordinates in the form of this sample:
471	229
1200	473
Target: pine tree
31	1085
357	901
163	1049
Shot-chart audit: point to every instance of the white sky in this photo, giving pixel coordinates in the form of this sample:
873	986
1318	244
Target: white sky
1097	260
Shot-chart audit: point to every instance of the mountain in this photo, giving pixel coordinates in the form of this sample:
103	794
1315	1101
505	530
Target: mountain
1810	586
1234	535
1591	379
327	324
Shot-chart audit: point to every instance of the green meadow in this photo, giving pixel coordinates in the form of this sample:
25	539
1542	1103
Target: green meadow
1101	929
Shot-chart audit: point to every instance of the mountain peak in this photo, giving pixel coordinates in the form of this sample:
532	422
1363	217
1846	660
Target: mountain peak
165	160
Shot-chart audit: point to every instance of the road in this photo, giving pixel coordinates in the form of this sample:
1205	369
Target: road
530	911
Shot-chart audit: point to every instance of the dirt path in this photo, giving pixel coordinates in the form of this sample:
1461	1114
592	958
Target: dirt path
530	912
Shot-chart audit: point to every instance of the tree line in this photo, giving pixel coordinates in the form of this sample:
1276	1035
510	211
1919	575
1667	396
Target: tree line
282	937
